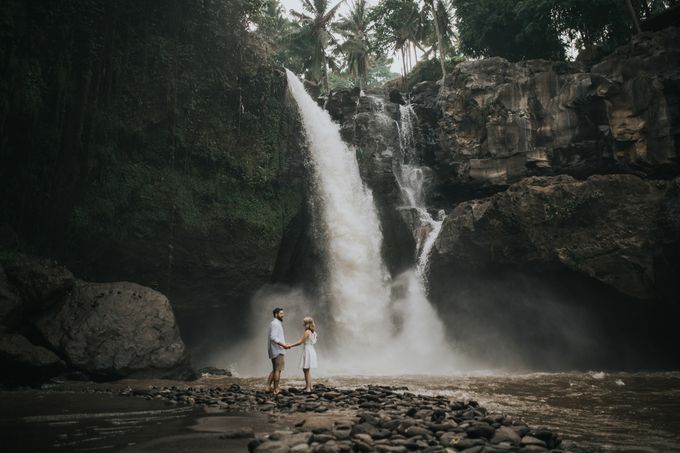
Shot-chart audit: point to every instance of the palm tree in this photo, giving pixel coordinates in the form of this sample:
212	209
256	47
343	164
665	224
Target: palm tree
315	32
442	29
396	24
356	46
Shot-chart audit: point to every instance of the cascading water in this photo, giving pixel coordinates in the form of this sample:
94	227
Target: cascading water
384	326
357	277
381	326
411	179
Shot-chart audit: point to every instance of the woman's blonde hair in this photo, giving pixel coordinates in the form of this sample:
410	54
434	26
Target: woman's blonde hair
308	321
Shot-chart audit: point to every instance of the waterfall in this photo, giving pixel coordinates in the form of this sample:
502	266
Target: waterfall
411	179
383	326
357	287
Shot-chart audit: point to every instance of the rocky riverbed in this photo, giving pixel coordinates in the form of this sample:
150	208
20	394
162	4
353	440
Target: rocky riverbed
590	412
372	418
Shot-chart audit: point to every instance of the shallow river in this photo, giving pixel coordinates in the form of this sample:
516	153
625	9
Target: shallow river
620	412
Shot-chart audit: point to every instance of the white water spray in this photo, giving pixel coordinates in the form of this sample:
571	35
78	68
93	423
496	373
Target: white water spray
382	327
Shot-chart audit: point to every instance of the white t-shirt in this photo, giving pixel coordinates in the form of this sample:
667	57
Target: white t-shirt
275	335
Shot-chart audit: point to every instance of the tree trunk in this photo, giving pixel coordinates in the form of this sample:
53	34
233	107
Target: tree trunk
440	41
633	16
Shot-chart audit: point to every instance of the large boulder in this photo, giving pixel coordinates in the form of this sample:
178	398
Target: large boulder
618	229
23	362
115	330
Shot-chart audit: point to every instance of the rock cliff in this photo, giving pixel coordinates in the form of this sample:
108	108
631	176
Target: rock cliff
495	122
561	244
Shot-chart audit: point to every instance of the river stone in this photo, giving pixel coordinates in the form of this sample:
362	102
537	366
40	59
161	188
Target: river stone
114	330
463	444
551	439
363	428
270	446
300	448
505	434
476	449
533	448
322	438
530	440
480	429
391	448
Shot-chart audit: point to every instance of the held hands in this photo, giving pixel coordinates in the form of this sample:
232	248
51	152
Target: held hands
288	345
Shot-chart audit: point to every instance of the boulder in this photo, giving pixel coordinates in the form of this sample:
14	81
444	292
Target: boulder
115	330
614	229
23	362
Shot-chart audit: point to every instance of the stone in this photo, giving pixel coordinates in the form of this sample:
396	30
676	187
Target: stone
464	444
381	434
480	429
476	449
362	446
322	438
530	440
364	438
363	428
23	362
417	431
271	447
505	434
115	330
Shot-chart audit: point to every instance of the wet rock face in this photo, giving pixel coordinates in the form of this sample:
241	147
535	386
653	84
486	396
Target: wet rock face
119	329
613	228
499	121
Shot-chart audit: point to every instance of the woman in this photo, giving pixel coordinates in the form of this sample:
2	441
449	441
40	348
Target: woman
308	358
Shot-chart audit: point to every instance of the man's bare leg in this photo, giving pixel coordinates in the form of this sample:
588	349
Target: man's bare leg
276	378
270	381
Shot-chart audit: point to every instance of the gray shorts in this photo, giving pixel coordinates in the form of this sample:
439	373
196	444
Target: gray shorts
279	362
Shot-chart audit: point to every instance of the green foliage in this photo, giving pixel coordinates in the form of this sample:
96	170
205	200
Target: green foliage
505	28
128	121
356	46
396	22
522	29
314	36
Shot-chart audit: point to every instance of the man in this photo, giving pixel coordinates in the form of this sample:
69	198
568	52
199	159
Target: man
277	349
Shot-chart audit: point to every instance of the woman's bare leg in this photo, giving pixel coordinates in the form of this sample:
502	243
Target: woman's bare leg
308	380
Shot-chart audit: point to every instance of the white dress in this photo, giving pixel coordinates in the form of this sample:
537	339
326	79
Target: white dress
308	358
